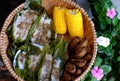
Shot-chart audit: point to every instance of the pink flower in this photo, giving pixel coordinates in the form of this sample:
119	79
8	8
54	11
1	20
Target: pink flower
97	73
111	13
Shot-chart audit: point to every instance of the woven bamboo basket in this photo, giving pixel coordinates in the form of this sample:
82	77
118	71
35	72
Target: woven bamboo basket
89	29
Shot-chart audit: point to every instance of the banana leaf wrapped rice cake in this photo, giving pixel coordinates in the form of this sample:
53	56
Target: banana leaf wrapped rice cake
36	51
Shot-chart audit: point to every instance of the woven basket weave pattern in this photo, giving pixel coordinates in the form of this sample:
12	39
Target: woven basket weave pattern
4	40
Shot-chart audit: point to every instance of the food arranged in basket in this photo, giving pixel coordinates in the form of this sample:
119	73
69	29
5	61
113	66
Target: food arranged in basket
44	47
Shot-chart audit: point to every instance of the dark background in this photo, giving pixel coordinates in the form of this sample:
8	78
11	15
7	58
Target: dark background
6	6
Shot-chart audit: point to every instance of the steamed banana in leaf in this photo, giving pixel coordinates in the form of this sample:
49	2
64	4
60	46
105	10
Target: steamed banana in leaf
33	60
26	62
45	70
45	66
58	58
42	34
23	23
19	64
56	70
26	21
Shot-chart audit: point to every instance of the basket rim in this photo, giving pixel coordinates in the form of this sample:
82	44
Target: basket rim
8	21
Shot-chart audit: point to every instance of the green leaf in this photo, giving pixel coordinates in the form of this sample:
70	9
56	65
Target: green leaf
113	42
34	50
118	59
114	33
35	4
10	53
60	49
112	78
20	72
115	21
109	52
108	20
98	61
104	9
106	69
9	30
103	25
100	17
33	27
119	52
93	79
105	4
24	47
97	6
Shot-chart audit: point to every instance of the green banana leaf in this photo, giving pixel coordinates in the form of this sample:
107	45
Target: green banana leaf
33	27
35	4
25	73
47	52
45	69
18	34
60	47
11	33
31	4
43	32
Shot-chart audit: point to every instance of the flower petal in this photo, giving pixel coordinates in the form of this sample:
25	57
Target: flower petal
111	13
114	13
108	14
111	16
96	68
93	72
100	77
100	71
113	9
100	40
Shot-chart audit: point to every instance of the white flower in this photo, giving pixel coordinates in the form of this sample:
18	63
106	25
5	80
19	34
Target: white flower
103	41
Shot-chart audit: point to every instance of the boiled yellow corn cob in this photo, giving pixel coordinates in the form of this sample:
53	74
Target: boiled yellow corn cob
59	20
75	23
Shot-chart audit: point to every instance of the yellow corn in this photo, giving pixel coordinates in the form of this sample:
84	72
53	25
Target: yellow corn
59	20
75	23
